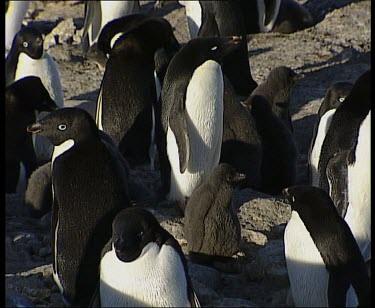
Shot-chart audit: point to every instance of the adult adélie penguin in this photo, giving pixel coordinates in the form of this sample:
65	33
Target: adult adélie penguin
189	141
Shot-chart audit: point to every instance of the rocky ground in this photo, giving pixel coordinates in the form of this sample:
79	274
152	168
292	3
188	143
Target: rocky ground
335	49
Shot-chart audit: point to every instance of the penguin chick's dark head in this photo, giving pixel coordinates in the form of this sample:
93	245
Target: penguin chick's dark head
31	93
64	124
150	33
29	41
228	173
132	230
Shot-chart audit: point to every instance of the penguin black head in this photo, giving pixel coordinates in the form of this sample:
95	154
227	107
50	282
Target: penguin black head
228	173
65	124
31	92
29	41
150	32
335	95
132	230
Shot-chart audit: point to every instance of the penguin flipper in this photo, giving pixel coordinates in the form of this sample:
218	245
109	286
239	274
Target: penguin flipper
54	221
178	124
337	175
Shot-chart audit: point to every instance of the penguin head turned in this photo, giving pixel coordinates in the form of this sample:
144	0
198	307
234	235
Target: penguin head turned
65	124
29	41
132	230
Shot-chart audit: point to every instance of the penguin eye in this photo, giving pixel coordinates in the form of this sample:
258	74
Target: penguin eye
140	234
341	99
214	48
62	127
107	55
25	44
293	199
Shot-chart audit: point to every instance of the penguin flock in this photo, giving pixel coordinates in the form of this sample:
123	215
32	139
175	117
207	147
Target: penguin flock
194	113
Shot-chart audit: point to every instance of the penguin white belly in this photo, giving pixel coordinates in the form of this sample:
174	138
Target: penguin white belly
156	278
358	215
13	20
325	122
193	16
204	117
306	269
46	69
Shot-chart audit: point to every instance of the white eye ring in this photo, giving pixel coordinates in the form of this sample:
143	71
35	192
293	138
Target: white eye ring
25	44
107	55
62	127
293	199
214	48
341	99
140	234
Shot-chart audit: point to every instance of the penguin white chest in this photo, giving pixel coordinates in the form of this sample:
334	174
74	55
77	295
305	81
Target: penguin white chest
204	118
46	69
306	269
324	124
358	215
156	278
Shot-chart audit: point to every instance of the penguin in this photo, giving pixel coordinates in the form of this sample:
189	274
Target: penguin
38	195
324	263
334	96
143	265
15	12
276	89
193	16
22	99
127	97
211	225
225	18
88	189
242	145
189	139
27	58
292	16
348	136
279	161
97	15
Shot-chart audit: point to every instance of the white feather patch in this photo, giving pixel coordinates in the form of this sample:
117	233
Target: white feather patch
61	149
99	110
156	278
204	109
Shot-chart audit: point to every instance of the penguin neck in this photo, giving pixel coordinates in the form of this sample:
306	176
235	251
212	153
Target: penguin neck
131	48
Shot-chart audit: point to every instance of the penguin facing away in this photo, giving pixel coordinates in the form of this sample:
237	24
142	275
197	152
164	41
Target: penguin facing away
211	226
276	89
127	95
22	99
323	259
189	141
143	265
14	14
83	210
334	96
97	15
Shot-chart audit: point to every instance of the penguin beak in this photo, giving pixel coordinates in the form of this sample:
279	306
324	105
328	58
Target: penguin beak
235	40
35	128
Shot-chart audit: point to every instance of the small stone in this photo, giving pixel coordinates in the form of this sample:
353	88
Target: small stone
254	237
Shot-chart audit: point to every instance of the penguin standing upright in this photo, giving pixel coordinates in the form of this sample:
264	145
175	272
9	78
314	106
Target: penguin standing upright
242	145
334	96
211	226
348	136
189	141
324	262
14	14
276	89
279	161
127	94
225	18
89	189
143	265
22	99
193	16
97	15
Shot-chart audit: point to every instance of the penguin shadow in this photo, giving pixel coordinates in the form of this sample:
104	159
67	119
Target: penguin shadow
161	10
252	53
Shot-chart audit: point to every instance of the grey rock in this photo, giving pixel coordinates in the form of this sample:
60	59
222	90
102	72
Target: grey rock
13	299
61	33
205	294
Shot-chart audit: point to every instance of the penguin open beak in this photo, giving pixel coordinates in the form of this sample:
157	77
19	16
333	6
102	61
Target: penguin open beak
34	128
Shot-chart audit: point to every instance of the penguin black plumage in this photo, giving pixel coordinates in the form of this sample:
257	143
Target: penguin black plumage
279	161
225	18
242	145
276	89
325	265
89	188
127	95
211	226
143	264
22	99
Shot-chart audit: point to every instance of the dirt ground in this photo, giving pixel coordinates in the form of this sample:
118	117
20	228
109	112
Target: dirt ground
337	48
